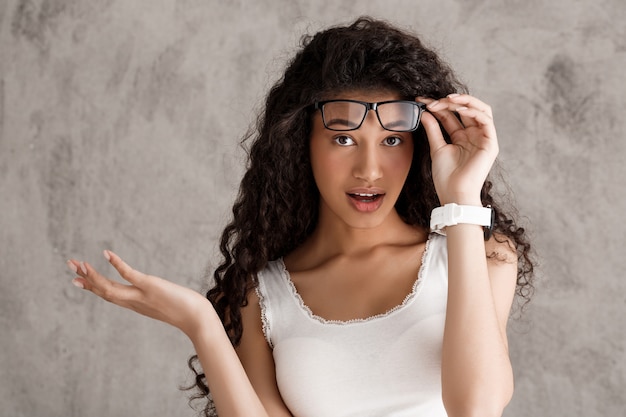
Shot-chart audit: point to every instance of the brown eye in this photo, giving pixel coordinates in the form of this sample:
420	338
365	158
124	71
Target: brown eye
392	141
344	140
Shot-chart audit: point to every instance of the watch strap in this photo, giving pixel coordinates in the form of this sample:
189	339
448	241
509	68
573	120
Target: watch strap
452	214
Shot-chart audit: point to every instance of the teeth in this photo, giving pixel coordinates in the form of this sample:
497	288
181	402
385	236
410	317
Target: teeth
365	195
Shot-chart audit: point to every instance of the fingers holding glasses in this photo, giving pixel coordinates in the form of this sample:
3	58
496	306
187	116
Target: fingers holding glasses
460	168
466	100
458	112
444	111
474	113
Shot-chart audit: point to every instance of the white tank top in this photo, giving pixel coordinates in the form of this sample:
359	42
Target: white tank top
386	365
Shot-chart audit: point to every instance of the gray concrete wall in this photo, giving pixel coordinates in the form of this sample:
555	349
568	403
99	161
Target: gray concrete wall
119	127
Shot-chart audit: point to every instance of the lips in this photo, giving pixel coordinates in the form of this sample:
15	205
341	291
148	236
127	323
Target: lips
366	199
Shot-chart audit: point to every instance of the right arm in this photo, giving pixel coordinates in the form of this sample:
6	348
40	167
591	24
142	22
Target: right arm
256	357
231	388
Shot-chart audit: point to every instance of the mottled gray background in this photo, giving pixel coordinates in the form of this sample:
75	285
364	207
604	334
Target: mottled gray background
119	128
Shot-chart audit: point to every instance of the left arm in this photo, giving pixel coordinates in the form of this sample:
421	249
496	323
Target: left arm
477	379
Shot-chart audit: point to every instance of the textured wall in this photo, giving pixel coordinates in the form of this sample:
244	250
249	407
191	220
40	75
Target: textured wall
119	124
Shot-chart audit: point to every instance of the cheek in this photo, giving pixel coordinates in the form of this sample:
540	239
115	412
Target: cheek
327	164
400	164
324	164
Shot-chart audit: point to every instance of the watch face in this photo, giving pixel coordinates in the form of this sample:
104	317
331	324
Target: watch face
488	230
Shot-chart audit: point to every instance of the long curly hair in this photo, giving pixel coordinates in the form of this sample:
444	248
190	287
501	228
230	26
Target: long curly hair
277	206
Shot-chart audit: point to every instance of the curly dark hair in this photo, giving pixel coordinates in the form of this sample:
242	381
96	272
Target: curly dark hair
277	205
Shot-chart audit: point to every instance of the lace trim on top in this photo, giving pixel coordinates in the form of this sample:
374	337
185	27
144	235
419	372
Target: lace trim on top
411	296
265	322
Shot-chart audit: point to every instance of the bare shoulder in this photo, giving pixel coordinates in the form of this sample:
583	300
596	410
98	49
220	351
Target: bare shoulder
256	357
253	336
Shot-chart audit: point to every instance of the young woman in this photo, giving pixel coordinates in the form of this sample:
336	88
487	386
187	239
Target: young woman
367	270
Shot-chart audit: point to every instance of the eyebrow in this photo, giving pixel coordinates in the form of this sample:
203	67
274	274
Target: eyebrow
344	122
395	124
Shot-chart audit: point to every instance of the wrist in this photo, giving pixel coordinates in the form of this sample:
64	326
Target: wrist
461	200
205	322
465	196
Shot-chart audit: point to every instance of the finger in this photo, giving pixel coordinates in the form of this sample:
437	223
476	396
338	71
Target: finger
457	103
465	120
77	267
443	104
129	274
425	100
465	100
480	120
73	266
450	122
90	280
433	132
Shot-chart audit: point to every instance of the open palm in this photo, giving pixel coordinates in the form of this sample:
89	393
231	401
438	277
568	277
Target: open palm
151	296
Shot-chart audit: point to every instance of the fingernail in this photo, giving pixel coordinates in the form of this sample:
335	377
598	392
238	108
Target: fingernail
433	104
107	255
461	108
453	95
78	284
83	268
71	266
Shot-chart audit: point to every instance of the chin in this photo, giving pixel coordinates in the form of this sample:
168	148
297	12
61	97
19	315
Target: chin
367	221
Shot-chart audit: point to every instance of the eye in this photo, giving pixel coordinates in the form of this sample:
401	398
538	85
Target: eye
344	140
392	141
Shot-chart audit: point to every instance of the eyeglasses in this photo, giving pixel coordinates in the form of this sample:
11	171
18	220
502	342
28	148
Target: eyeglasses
394	115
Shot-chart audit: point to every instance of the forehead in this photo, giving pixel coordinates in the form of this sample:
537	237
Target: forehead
370	96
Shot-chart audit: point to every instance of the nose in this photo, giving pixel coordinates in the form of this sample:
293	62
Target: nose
368	165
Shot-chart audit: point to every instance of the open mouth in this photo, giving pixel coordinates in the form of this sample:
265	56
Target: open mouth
365	197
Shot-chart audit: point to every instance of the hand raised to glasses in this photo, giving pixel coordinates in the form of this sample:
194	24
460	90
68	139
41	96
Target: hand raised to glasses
148	295
461	168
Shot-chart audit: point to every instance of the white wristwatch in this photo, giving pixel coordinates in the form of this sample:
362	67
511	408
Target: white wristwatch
452	214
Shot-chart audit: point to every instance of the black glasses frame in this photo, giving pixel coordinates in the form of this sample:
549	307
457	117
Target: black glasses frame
319	105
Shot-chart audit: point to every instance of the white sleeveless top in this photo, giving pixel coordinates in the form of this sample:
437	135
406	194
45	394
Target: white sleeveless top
386	365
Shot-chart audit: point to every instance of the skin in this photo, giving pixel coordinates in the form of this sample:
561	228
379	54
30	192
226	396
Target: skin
338	270
476	372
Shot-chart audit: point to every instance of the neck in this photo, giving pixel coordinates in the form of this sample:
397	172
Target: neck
333	237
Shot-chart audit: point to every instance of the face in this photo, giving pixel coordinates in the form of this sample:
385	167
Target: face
360	173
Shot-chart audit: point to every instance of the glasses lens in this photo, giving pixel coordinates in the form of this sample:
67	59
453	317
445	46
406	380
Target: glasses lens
343	115
399	116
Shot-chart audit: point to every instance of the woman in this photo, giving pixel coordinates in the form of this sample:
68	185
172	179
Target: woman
363	273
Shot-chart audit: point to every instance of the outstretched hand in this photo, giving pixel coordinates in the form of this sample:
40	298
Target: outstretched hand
460	168
148	295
